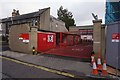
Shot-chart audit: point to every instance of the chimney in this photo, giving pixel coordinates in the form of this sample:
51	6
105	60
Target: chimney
17	12
14	13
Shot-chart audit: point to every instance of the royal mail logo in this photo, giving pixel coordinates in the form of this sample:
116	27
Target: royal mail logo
50	38
24	37
115	37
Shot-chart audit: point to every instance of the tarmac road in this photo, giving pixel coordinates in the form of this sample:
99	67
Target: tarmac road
15	70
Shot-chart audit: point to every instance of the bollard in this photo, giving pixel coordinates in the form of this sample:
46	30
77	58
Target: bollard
33	50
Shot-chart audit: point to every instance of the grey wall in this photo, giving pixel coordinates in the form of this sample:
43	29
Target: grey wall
57	25
45	20
14	43
113	48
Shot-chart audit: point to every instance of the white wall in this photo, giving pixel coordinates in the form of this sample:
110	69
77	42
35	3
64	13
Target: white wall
88	37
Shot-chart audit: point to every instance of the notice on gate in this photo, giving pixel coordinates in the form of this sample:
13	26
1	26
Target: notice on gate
50	38
115	37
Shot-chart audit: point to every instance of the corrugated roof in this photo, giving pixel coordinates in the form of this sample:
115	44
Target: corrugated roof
25	16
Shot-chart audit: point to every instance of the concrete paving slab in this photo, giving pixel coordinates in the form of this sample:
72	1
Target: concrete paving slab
12	54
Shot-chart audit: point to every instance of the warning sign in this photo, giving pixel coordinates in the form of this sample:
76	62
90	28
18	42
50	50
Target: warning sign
115	37
50	38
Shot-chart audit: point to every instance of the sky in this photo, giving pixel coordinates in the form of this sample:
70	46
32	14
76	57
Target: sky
81	9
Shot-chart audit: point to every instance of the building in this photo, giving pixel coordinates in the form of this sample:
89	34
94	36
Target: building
29	25
112	11
42	19
86	32
0	28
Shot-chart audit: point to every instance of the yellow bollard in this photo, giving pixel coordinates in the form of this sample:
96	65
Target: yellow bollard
33	50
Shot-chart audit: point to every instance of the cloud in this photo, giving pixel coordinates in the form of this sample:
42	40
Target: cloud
83	12
81	9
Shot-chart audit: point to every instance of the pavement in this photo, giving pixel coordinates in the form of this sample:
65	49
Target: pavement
70	65
3	46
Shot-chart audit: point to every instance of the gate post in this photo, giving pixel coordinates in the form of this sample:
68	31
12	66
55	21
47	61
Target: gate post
33	38
97	36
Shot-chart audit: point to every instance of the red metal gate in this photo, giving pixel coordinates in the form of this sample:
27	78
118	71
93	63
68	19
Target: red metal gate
46	41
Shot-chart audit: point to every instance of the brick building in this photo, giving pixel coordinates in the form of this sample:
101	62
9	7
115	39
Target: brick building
30	23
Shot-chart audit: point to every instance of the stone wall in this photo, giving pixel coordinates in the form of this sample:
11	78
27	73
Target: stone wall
14	43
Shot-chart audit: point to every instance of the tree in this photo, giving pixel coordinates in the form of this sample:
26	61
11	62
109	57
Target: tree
66	16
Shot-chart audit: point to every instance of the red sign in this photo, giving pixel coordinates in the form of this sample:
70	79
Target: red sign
24	37
115	37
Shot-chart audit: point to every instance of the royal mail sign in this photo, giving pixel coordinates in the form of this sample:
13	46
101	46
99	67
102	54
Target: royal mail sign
24	37
116	37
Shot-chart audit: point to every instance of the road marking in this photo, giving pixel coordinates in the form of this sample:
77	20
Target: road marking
40	67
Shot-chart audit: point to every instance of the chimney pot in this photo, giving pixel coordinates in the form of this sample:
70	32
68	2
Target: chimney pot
14	13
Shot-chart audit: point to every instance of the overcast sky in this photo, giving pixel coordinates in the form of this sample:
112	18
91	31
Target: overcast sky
81	9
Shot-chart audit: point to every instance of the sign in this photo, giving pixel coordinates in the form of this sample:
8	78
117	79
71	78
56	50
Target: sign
24	37
50	38
115	37
21	36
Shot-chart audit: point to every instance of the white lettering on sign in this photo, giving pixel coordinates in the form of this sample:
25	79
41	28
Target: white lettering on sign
24	37
25	41
113	40
50	38
20	38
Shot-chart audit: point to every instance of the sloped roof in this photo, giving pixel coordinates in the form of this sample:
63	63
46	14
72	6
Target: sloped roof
52	17
25	16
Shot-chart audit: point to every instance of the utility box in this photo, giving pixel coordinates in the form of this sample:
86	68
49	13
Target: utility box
113	45
46	41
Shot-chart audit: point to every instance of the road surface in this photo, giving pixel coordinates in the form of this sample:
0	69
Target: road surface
15	70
